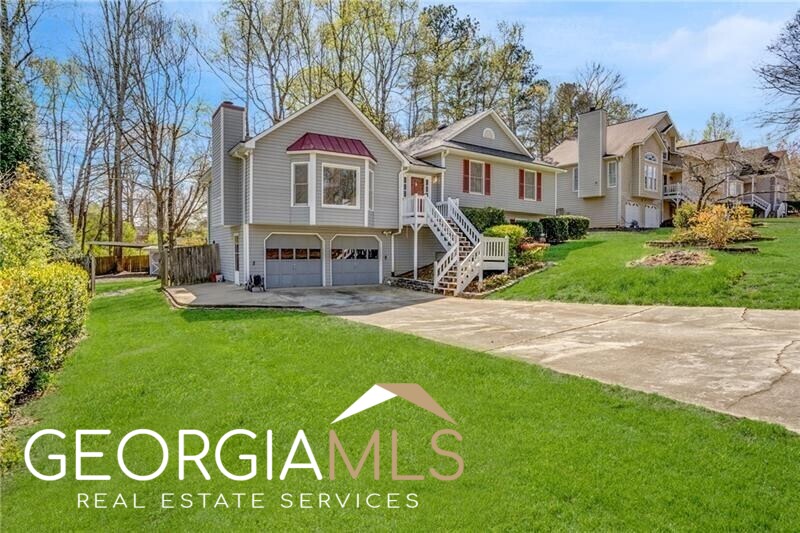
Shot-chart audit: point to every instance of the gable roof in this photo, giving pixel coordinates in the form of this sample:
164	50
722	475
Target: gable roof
330	143
336	93
433	139
620	138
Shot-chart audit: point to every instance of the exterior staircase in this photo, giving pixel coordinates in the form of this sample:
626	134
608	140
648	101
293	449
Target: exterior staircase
448	283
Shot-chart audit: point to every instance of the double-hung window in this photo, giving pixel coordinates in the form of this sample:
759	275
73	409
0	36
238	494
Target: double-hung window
613	173
299	183
529	186
476	177
340	186
650	171
575	179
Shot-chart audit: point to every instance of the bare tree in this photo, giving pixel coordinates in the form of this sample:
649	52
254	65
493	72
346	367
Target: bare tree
780	78
164	83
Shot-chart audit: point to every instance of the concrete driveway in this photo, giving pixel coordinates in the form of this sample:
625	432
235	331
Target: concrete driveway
738	361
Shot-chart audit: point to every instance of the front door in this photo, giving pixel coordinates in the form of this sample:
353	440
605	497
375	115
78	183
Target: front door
417	186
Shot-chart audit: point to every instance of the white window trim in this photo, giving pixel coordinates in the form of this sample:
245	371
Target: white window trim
371	181
608	173
358	186
525	187
654	166
488	133
483	178
308	179
575	179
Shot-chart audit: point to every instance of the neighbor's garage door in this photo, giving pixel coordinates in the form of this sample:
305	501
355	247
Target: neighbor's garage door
355	261
293	261
652	217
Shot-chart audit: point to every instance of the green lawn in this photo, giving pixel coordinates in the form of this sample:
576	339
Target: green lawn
594	270
542	450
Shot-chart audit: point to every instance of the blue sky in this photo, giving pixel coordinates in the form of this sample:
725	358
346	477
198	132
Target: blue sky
691	59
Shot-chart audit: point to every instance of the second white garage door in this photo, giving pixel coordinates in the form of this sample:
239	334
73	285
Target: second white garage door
355	261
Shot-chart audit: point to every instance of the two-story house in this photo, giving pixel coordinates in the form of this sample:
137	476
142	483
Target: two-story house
615	173
323	198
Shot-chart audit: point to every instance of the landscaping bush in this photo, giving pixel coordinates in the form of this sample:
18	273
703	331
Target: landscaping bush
684	215
484	217
577	227
533	227
556	229
42	309
515	235
529	257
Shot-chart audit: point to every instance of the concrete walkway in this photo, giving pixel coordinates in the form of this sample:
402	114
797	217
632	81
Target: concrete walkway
737	361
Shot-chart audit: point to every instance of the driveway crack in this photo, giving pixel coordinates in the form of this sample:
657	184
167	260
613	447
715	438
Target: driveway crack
559	332
785	371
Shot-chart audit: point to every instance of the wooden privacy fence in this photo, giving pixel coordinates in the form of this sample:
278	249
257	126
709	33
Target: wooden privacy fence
130	263
193	264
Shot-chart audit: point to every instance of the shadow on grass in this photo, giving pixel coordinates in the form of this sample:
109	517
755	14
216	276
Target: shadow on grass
559	252
237	315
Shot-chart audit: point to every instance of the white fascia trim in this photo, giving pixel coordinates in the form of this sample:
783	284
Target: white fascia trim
380	252
317	235
499	121
351	106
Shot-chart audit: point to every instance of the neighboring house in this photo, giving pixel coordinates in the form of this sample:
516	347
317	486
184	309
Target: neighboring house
615	174
323	198
732	174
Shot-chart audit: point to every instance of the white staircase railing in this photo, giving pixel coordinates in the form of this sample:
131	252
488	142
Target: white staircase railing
782	210
469	267
456	215
447	237
761	203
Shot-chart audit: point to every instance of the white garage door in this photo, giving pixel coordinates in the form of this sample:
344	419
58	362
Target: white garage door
293	261
355	261
632	213
652	217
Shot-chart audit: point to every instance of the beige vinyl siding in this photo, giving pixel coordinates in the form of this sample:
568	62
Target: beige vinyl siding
650	145
474	135
504	188
272	172
601	211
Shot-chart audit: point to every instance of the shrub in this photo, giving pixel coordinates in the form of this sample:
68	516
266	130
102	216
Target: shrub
484	217
42	310
529	257
556	229
514	233
684	215
496	281
577	227
533	227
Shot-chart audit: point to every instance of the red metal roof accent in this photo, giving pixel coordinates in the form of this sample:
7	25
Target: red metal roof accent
330	143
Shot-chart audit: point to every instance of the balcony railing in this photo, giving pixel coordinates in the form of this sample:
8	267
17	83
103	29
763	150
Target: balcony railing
672	190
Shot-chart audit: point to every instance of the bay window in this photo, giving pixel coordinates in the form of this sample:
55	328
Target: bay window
340	186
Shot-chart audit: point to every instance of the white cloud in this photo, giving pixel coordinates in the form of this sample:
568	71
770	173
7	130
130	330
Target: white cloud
735	41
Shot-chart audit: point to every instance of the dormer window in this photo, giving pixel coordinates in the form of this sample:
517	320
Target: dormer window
488	133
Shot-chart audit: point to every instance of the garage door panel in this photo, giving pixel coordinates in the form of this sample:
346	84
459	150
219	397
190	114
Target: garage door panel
355	261
293	261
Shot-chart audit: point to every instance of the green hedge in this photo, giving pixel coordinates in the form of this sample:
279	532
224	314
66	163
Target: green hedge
484	218
577	227
42	310
556	229
533	227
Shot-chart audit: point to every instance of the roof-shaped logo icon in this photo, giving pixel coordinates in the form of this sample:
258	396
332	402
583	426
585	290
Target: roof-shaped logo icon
383	392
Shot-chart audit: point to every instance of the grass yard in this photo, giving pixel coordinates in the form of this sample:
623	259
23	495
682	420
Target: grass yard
541	450
594	270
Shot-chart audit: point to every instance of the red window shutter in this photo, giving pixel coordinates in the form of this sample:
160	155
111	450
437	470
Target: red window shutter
521	184
466	175
487	179
538	186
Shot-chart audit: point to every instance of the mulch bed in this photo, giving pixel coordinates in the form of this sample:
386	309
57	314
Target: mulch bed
674	258
515	275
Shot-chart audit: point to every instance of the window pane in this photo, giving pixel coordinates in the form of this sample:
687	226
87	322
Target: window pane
272	254
301	183
372	254
361	253
314	253
287	253
339	186
475	184
301	253
476	169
